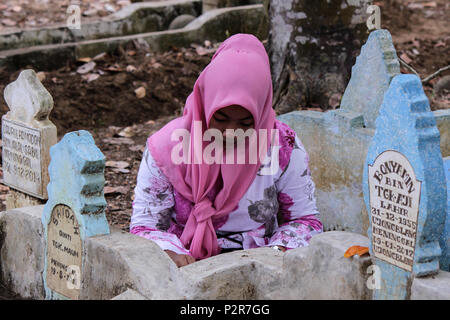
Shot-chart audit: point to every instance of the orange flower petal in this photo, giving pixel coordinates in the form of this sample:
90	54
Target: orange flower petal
355	250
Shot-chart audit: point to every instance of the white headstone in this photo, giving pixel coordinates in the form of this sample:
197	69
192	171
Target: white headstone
27	135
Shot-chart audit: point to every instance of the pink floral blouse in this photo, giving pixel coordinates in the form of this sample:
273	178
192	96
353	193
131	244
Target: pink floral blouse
277	209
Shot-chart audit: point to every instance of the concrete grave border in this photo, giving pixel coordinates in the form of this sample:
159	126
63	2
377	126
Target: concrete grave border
215	25
136	18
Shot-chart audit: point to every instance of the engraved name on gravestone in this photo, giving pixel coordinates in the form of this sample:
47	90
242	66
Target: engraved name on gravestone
21	157
27	135
64	252
394	196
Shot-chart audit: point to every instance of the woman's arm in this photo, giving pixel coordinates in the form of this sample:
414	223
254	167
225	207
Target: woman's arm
298	214
153	207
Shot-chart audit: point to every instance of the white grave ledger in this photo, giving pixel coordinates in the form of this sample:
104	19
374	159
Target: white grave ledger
64	252
394	205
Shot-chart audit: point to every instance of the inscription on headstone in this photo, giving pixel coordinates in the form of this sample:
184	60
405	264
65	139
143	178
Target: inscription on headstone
64	252
394	206
21	155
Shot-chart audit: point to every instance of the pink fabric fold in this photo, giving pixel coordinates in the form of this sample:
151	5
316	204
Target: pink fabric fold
238	74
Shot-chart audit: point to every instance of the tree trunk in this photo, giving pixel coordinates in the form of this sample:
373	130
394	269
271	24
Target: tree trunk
313	45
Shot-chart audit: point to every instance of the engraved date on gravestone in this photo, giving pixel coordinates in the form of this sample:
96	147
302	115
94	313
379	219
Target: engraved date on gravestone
21	157
394	206
64	251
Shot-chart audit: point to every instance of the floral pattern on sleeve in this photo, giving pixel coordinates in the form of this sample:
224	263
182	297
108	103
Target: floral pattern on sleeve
298	215
153	207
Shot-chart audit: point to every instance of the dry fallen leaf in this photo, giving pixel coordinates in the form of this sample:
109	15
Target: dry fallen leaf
356	250
131	68
201	51
84	59
112	190
87	67
41	76
137	148
406	58
8	22
117	164
128	132
430	4
17	8
118	141
90	77
140	92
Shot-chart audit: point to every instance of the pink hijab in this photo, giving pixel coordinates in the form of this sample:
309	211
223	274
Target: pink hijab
238	74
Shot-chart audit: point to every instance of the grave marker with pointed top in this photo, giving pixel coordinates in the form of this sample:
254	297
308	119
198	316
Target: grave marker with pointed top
74	211
404	189
372	73
27	135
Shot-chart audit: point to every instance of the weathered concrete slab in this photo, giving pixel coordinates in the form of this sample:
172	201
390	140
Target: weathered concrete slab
121	261
435	287
244	274
215	25
22	251
121	265
135	18
320	271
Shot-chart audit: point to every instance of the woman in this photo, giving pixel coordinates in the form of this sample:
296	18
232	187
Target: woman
194	210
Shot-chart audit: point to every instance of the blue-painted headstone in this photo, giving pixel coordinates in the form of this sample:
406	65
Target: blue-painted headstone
75	210
445	239
404	189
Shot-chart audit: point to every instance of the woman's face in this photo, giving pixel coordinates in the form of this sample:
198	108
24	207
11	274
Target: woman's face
232	117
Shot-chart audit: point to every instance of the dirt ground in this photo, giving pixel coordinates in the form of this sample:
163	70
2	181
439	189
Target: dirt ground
104	99
40	13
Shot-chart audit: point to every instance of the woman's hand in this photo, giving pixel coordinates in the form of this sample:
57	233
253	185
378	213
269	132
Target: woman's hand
180	259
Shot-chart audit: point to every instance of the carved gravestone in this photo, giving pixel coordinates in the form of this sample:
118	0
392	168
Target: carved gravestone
73	212
404	189
27	135
372	73
445	238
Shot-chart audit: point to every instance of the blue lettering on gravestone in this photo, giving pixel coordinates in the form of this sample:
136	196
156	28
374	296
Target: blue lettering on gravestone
75	210
404	189
445	238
